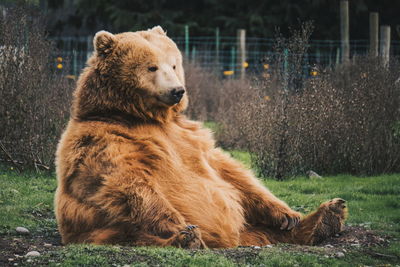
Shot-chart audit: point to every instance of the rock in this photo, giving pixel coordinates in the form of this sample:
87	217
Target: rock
22	230
268	246
32	253
328	246
47	245
313	175
257	247
340	254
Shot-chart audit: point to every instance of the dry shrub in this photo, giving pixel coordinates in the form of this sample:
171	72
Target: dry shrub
204	92
34	99
345	120
217	99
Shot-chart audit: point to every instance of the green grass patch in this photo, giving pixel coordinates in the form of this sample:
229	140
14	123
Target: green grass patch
27	200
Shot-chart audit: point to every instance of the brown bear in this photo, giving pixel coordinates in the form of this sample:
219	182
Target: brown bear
132	169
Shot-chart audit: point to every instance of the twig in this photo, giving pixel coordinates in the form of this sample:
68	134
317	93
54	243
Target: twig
372	253
41	165
9	156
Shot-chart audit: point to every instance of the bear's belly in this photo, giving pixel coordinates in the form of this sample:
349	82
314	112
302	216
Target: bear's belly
212	204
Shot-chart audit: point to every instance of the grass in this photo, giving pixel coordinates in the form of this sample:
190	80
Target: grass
27	200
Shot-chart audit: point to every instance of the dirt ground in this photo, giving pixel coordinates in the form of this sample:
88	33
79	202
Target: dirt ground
13	248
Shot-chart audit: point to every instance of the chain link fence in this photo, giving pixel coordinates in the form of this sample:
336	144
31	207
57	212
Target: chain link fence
220	53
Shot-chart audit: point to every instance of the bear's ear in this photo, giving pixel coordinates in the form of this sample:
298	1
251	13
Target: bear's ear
158	29
104	43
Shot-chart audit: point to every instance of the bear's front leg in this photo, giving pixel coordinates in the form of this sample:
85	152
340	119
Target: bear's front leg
277	214
260	205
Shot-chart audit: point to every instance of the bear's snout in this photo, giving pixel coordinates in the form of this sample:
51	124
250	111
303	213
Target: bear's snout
172	96
177	94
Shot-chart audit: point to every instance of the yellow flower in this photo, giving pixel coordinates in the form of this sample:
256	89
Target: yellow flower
228	72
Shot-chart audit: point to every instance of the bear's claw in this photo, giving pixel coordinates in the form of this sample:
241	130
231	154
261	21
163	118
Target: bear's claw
289	222
190	227
190	237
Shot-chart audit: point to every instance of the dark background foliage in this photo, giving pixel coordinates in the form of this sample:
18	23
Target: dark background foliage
259	17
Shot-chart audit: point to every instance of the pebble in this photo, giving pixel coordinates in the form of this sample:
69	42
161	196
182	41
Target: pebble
328	246
337	235
32	253
22	230
340	254
47	245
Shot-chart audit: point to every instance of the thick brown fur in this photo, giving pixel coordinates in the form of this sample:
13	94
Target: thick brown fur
134	170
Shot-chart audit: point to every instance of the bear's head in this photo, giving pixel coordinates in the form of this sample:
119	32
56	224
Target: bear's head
134	73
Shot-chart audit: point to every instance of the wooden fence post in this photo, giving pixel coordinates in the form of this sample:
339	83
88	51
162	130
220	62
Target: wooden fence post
385	45
344	30
373	33
241	52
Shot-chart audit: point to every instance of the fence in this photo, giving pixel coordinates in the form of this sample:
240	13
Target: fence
220	53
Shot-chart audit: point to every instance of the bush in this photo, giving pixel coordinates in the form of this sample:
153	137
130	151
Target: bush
345	120
34	99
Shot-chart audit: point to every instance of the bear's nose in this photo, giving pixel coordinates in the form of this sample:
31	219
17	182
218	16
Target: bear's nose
177	94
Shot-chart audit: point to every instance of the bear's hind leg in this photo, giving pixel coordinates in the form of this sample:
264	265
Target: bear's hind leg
327	221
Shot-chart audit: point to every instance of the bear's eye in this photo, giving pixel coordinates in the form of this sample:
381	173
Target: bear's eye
174	67
153	69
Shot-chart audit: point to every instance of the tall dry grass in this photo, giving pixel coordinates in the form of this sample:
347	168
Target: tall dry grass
345	120
34	98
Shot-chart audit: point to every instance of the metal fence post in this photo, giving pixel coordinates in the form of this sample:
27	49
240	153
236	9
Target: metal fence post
217	44
233	58
187	41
